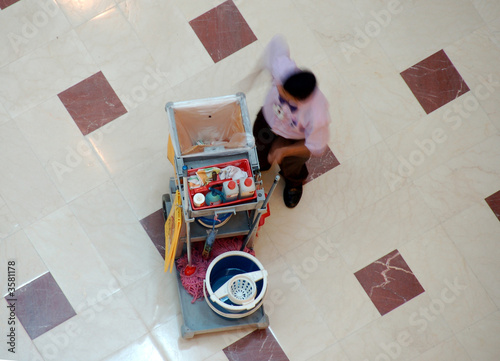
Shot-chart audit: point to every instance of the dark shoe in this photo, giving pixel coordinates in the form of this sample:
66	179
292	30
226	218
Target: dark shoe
292	195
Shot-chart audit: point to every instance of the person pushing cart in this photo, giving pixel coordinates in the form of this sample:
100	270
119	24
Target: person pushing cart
293	123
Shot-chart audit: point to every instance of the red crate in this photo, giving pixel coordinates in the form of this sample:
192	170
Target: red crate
243	164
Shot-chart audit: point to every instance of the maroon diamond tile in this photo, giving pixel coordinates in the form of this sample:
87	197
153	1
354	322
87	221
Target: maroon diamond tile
389	282
154	225
41	305
494	203
259	345
320	165
223	31
435	81
92	103
5	3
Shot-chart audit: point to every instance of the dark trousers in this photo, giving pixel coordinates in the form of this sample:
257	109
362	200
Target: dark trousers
292	169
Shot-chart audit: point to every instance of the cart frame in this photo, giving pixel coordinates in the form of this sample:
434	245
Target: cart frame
242	223
198	318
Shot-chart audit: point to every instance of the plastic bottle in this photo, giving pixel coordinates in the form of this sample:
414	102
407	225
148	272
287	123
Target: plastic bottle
213	197
247	188
230	190
199	200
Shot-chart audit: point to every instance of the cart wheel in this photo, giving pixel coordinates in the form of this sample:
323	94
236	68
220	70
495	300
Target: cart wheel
167	204
186	332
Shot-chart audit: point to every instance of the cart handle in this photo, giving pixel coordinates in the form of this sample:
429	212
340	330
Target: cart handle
259	213
224	211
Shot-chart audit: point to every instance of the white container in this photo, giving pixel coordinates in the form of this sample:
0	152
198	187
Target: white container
230	190
247	188
199	200
247	267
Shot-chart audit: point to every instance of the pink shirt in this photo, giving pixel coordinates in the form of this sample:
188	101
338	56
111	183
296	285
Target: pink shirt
311	119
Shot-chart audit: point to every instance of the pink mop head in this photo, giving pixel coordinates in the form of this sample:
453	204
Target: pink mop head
194	283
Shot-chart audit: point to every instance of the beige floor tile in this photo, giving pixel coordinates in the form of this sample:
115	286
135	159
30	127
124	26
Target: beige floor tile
481	339
60	233
455	293
377	230
25	187
28	265
462	181
24	85
64	152
143	185
94	332
330	285
293	316
475	233
155	297
42	21
117	235
448	350
480	72
402	333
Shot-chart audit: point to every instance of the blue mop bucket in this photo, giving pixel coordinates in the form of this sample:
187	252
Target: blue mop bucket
235	284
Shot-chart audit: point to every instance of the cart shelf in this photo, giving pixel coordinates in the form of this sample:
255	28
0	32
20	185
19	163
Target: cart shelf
238	225
200	319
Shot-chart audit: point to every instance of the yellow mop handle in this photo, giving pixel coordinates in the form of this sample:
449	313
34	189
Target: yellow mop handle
174	220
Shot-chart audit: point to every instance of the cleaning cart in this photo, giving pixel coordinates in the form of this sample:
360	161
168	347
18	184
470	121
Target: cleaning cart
211	143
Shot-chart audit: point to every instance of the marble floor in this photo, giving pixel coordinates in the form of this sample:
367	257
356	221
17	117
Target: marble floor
394	251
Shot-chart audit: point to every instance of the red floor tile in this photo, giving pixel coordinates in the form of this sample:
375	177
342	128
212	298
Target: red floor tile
154	225
494	203
223	31
41	306
318	166
92	103
259	345
5	3
435	81
389	282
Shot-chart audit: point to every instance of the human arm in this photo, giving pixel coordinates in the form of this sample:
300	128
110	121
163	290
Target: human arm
276	48
276	59
298	149
317	128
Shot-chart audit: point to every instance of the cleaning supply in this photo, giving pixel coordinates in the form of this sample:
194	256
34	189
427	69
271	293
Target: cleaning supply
247	187
206	175
230	190
213	197
194	182
232	172
199	200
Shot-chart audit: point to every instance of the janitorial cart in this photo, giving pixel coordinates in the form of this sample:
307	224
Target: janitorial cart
216	194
